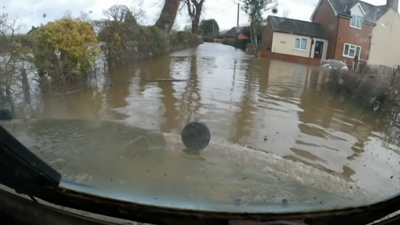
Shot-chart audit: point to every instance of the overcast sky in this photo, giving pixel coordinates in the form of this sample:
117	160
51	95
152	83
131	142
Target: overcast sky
30	12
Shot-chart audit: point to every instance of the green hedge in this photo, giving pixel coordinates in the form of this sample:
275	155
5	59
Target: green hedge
237	43
128	42
208	39
183	38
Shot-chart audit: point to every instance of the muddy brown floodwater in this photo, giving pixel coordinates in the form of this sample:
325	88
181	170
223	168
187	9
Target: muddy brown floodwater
278	134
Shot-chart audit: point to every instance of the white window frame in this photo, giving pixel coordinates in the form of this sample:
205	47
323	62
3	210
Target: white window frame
301	39
355	18
355	50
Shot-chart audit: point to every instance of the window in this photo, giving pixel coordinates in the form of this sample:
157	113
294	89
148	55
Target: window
356	21
300	44
351	50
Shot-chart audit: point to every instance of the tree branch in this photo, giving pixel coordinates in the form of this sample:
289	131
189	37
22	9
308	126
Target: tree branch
195	3
187	2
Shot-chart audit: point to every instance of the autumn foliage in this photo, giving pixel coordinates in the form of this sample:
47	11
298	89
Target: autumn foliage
65	49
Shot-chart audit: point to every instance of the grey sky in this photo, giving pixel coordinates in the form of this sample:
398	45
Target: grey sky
30	12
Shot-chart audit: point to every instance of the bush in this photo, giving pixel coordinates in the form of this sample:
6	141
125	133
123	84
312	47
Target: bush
242	43
237	43
208	39
23	40
127	42
64	49
183	38
230	42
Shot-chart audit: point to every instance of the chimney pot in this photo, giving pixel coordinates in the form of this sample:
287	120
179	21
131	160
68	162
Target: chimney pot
394	4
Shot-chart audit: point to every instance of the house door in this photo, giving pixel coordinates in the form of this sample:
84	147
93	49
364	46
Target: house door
319	49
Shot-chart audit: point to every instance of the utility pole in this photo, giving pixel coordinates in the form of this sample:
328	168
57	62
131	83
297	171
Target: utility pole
238	16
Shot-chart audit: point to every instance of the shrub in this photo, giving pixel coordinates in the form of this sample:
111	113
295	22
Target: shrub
237	43
64	49
127	42
228	42
184	38
208	39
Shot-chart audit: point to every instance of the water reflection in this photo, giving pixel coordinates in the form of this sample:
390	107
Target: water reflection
244	119
267	105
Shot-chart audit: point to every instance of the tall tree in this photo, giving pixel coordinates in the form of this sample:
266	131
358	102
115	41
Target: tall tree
209	27
194	8
254	9
168	15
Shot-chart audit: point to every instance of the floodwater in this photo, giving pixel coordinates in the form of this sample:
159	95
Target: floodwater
278	132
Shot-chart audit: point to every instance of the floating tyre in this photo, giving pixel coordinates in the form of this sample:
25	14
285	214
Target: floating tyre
196	137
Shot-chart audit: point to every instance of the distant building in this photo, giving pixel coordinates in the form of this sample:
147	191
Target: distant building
295	37
237	32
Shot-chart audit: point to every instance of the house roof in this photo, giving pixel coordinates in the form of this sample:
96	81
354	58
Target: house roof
242	36
291	26
372	12
236	31
231	33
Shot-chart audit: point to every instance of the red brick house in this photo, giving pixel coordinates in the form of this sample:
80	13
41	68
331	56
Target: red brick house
349	24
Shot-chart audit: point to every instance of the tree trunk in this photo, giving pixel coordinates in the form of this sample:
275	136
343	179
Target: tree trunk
25	86
9	99
168	15
196	18
195	26
254	41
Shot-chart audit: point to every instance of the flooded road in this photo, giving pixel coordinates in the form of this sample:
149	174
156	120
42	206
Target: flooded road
280	108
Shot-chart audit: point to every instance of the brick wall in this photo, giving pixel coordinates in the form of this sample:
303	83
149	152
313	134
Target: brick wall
267	36
353	36
290	58
326	17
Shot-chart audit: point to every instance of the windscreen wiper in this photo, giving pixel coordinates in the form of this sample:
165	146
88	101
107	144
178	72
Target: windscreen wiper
22	170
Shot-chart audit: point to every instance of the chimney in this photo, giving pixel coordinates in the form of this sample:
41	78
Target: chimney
394	4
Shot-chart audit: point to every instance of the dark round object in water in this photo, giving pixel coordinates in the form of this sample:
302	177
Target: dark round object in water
5	114
196	136
275	10
376	103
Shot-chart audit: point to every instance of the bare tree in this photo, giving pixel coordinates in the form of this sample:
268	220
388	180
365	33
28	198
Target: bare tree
10	57
137	10
194	9
67	14
286	13
116	12
168	15
84	17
